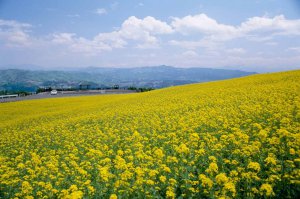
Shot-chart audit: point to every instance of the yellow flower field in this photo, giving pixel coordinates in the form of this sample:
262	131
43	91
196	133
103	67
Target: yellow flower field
236	138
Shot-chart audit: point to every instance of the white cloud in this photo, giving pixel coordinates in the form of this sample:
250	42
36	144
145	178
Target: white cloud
101	11
190	40
146	32
14	24
19	37
80	44
276	25
88	47
255	28
212	38
203	43
264	29
202	24
148	24
14	33
63	38
142	31
260	23
112	39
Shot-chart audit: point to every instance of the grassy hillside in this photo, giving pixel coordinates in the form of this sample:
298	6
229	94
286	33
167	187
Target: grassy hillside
234	138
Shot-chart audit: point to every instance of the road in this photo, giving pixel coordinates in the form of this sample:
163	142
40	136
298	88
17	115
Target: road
66	94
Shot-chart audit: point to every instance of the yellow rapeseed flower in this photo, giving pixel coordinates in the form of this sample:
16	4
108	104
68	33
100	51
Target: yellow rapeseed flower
227	139
221	178
266	189
254	166
113	196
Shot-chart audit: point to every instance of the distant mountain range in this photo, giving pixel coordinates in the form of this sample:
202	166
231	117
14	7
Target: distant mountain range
154	77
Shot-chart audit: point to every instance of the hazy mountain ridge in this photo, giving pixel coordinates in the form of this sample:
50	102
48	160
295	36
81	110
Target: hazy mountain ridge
156	77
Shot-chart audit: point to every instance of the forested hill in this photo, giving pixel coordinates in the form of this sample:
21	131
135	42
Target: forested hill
155	77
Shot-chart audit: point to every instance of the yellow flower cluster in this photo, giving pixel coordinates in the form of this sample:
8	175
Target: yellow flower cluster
237	138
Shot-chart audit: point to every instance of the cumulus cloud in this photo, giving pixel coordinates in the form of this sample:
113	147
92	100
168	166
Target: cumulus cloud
255	28
198	39
145	33
276	25
194	44
14	33
149	24
14	24
211	35
80	44
113	39
142	31
63	38
201	24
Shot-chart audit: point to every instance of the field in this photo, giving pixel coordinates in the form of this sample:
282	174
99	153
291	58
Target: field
236	138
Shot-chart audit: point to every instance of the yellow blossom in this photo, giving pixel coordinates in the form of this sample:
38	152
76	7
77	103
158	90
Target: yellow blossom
266	189
162	179
254	166
221	178
213	168
113	196
222	139
292	151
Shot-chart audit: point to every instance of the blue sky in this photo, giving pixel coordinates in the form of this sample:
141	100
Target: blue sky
252	35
